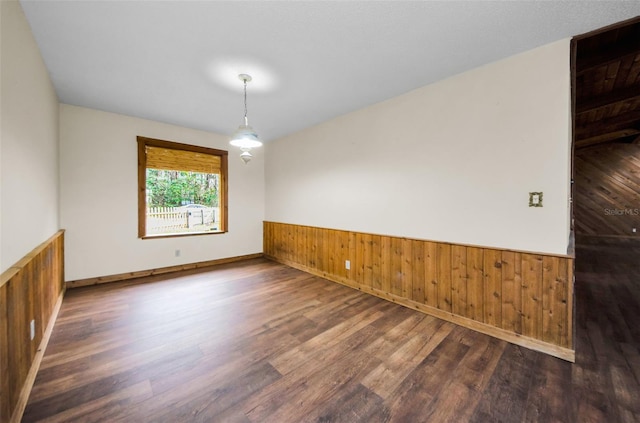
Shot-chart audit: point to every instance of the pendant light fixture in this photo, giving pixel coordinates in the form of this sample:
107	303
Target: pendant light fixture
245	137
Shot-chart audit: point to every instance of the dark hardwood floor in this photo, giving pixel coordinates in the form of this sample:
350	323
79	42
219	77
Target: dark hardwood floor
260	342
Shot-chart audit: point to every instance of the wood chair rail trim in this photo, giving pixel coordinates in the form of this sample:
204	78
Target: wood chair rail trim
568	255
20	264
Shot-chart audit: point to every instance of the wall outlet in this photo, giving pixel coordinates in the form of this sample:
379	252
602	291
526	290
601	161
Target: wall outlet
633	230
178	252
347	264
32	329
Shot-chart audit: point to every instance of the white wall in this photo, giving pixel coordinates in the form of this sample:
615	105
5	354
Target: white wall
99	202
453	161
28	141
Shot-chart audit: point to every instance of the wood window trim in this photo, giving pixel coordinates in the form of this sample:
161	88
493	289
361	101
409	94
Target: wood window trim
143	142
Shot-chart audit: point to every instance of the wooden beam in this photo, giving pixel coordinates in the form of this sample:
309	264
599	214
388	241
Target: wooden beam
609	46
622	53
614	97
604	126
612	27
608	137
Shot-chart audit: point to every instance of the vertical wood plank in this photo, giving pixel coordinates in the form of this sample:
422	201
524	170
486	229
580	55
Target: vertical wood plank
275	235
376	262
492	287
531	295
358	264
309	256
549	271
271	240
46	278
274	239
288	242
331	252
306	245
265	238
303	245
325	250
312	239
330	259
298	247
396	266
418	283
475	270
5	402
431	274
444	276
343	245
335	248
319	234
385	261
283	241
319	248
568	336
512	291
18	358
286	235
459	280
279	239
367	251
353	240
37	299
292	243
289	237
554	300
407	268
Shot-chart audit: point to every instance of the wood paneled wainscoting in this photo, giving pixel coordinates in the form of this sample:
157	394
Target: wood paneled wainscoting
30	290
520	297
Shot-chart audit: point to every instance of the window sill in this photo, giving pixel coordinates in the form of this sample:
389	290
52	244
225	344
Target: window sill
182	234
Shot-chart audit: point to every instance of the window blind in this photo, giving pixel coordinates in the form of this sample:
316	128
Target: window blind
180	160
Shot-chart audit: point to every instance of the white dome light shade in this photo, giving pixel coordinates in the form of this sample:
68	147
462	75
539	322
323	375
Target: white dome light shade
245	137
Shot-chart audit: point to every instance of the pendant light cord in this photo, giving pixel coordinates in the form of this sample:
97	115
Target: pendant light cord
246	121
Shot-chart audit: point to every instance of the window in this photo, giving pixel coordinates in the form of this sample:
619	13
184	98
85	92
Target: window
182	189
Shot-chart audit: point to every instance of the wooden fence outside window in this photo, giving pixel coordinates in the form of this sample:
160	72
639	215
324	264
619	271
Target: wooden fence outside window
179	219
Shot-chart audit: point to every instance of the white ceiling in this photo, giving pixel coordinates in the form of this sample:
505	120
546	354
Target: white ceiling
177	61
